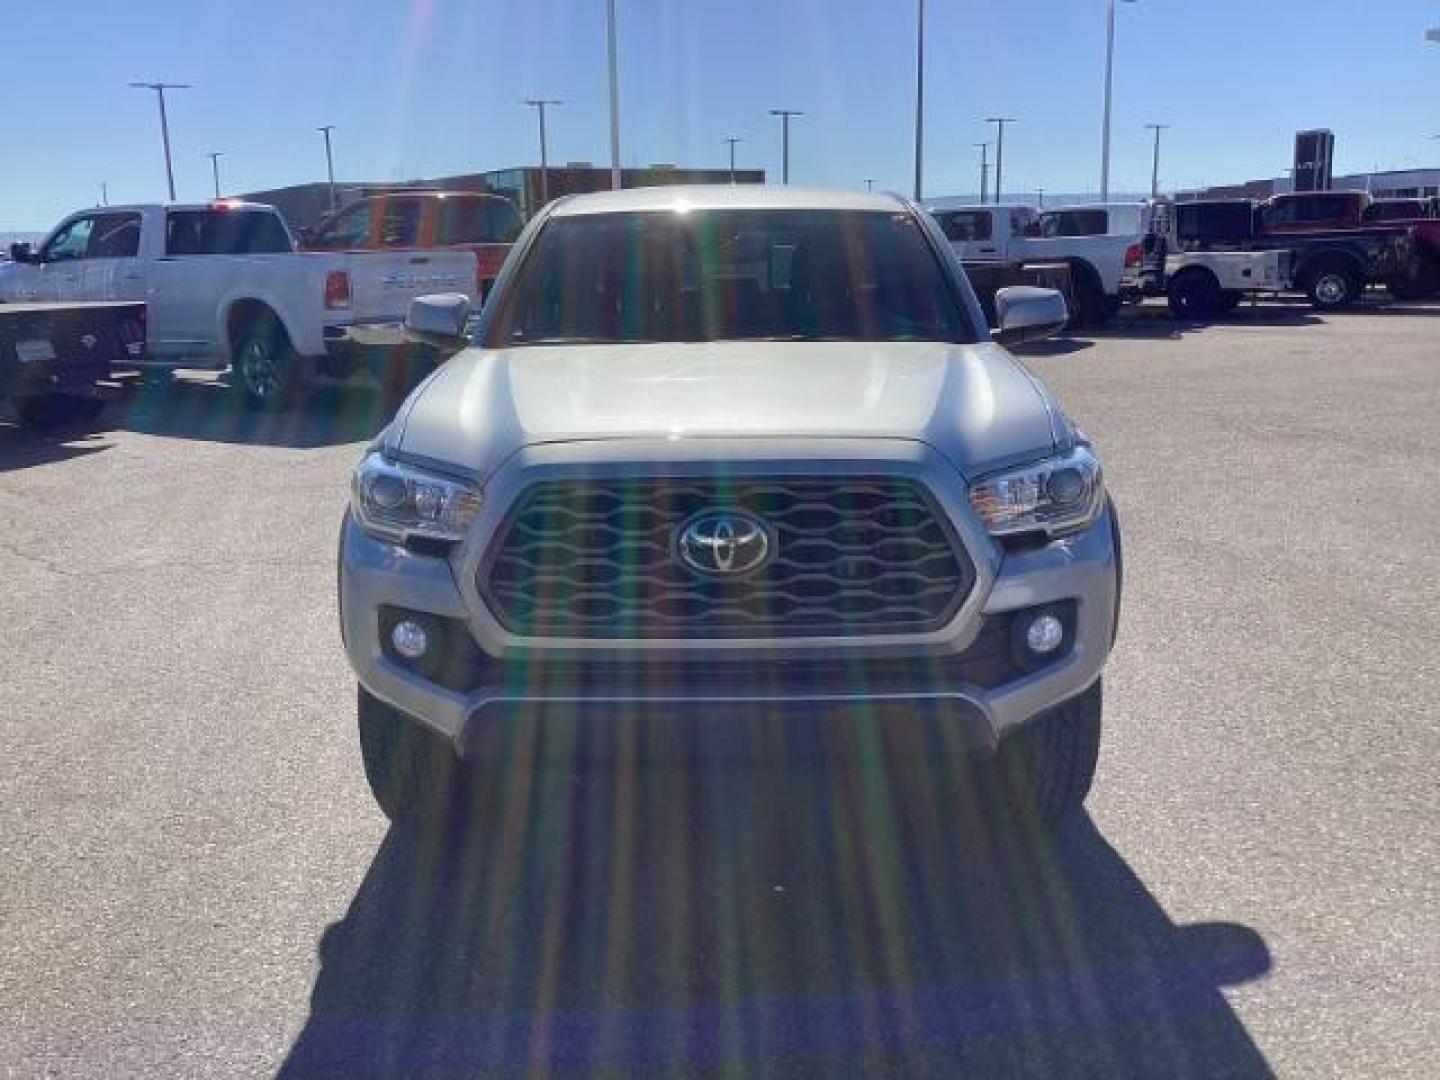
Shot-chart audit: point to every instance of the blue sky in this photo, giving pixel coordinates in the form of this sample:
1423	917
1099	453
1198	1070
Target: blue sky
427	87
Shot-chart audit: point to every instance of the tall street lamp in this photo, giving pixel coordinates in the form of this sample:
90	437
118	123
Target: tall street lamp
540	105
785	115
1109	94
919	98
999	122
614	96
1155	163
984	171
329	164
160	88
732	140
215	156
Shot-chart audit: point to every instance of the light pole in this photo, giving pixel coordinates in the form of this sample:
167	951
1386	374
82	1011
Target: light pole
160	88
999	122
215	156
732	140
919	98
785	115
104	193
614	98
329	164
1155	162
540	104
869	185
1109	94
984	171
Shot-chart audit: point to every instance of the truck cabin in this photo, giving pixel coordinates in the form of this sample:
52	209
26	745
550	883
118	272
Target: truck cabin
1213	223
1114	219
1307	211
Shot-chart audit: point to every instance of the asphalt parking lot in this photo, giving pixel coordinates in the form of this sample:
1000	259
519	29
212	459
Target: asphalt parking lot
197	883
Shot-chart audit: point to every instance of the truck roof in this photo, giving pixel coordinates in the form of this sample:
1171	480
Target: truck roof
724	197
213	204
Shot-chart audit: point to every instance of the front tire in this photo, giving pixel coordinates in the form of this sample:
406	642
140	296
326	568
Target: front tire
413	774
1049	765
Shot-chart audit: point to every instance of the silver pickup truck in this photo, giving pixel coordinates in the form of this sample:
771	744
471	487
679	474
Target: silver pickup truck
731	458
224	286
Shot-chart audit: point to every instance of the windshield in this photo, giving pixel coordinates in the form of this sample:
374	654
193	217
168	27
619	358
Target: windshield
720	275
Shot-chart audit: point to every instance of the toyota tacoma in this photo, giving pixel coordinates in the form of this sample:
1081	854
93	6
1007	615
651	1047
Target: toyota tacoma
720	452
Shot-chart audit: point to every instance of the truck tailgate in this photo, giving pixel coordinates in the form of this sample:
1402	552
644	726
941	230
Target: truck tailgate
383	283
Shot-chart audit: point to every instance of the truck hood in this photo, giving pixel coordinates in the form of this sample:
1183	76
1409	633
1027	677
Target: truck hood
973	403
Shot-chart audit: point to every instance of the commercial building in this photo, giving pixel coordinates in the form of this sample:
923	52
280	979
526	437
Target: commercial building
1389	184
305	204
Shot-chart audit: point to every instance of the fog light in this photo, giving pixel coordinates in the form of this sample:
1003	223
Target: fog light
1043	636
410	639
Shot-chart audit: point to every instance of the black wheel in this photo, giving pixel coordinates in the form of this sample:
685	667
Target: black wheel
1088	308
264	367
1334	284
1194	295
1050	764
413	774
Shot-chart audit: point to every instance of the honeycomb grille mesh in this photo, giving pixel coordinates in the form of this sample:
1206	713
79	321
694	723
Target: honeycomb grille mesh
597	559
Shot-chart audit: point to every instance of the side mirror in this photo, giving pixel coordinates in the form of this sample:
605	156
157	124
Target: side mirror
306	234
1026	313
20	252
438	320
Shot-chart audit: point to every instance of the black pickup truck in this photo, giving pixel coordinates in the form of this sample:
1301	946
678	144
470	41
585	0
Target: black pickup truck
1331	266
56	358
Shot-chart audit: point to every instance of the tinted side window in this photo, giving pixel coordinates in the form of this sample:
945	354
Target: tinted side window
400	225
115	236
348	229
505	221
462	221
966	225
1075	223
224	232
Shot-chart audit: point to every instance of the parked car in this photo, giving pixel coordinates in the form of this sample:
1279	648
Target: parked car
56	359
471	221
1356	212
727	452
224	286
1104	268
1330	266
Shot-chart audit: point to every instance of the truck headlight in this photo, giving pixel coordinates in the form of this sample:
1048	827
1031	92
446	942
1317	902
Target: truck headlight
393	502
1058	496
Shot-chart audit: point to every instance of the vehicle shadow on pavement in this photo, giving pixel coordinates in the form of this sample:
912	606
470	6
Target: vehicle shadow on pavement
207	409
702	920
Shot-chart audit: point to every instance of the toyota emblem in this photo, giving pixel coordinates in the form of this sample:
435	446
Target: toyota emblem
724	543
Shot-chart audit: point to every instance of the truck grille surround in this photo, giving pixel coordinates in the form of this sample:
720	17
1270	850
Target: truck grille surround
850	556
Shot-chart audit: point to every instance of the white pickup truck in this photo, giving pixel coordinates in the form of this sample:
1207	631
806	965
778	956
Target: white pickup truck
1103	246
224	286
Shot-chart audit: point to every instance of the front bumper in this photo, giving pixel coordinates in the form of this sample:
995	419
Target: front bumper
515	680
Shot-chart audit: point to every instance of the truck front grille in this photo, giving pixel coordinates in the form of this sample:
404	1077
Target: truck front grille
598	558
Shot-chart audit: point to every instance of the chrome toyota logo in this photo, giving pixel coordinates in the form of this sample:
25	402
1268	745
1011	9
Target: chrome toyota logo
724	543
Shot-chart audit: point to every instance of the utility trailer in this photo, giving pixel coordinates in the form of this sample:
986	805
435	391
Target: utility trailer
56	358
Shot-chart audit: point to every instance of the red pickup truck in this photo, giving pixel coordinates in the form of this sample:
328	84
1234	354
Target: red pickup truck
473	221
1342	211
